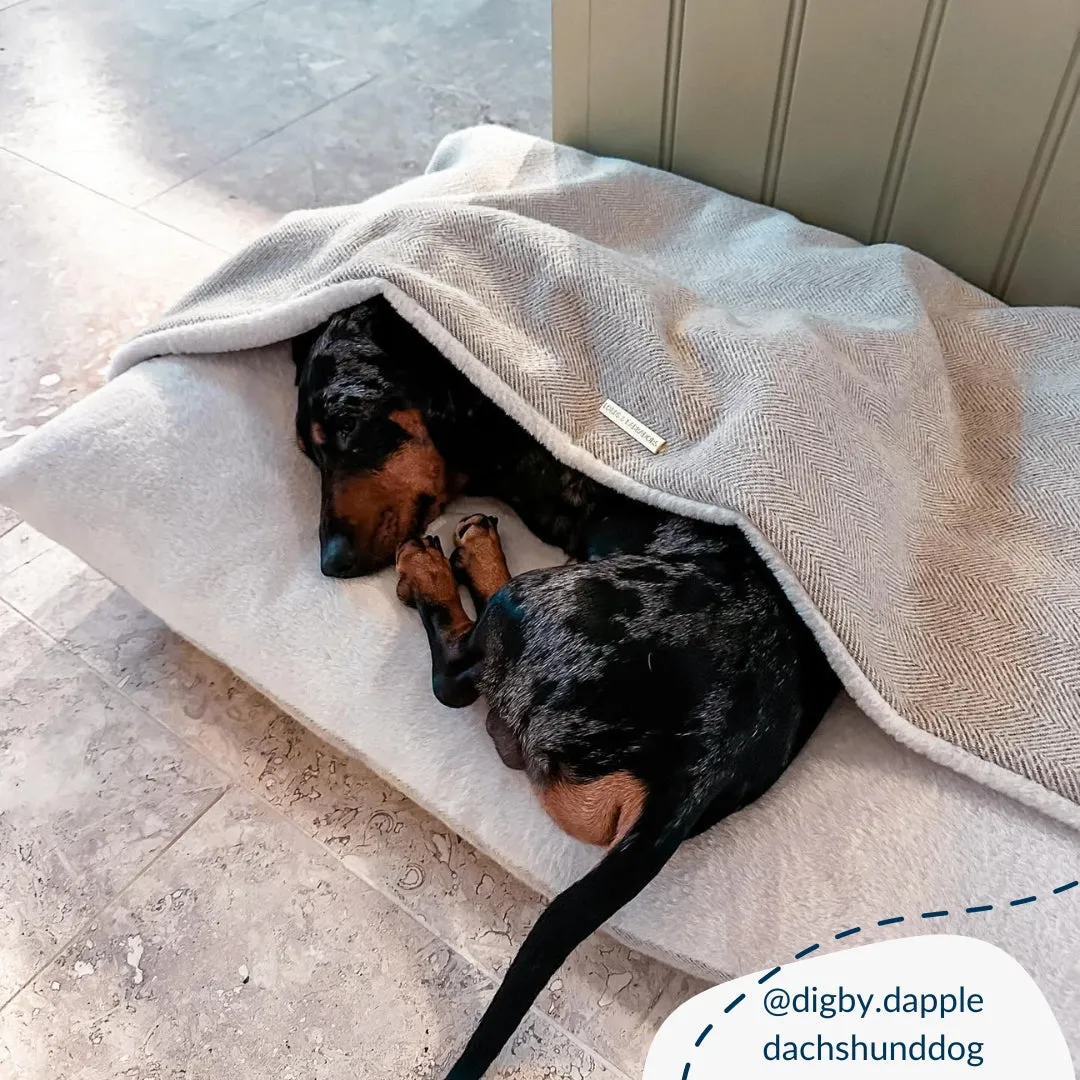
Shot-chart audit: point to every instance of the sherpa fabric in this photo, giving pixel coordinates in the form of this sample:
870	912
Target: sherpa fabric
181	481
900	446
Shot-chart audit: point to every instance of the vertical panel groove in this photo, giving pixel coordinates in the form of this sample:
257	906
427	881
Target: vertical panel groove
909	115
1041	165
588	77
785	86
676	18
729	66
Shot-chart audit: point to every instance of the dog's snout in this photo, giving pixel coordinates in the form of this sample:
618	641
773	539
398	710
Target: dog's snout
338	559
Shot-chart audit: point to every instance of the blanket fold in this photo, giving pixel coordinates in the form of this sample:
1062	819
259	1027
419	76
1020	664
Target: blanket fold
901	447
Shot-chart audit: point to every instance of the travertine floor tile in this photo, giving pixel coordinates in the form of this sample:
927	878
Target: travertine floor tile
247	951
78	275
130	98
19	545
129	107
92	790
442	65
607	995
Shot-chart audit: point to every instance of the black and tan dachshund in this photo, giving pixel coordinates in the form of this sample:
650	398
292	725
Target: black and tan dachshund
649	688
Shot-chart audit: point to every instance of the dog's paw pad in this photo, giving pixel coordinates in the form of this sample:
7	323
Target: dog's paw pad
475	525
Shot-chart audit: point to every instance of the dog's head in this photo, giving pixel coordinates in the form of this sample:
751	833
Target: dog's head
361	419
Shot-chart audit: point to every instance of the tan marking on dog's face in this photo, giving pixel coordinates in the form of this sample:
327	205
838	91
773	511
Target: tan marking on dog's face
597	812
381	508
412	420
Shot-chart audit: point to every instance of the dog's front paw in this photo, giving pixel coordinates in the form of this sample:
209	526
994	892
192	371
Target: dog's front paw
478	560
477	524
423	572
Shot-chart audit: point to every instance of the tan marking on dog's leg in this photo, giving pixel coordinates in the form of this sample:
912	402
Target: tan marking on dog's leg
479	555
424	576
597	812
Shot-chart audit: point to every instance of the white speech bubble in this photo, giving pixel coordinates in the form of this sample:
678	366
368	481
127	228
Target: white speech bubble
938	1006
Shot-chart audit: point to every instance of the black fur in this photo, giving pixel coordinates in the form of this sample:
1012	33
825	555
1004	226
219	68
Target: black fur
667	650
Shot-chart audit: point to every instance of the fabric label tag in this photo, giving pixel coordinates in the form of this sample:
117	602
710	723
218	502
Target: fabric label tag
633	426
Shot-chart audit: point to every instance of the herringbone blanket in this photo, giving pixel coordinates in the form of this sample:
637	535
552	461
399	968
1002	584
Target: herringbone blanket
903	448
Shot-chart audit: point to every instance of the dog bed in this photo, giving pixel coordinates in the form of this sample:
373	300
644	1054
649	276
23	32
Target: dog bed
893	441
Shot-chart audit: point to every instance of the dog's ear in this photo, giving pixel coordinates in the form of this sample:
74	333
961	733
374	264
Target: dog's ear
301	348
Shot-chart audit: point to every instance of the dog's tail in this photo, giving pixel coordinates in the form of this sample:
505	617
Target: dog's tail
666	819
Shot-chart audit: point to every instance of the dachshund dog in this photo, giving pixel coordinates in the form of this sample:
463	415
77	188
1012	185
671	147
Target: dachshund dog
649	688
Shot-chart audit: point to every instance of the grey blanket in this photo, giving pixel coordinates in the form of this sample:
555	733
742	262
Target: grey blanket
902	448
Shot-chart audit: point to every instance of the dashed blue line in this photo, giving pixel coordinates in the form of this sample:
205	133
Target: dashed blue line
858	929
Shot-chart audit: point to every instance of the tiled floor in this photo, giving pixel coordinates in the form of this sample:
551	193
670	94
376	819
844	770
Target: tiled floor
190	884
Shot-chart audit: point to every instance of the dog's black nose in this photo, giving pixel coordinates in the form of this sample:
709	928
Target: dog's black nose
338	558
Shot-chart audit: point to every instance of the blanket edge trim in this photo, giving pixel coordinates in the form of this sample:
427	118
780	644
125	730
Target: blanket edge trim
286	320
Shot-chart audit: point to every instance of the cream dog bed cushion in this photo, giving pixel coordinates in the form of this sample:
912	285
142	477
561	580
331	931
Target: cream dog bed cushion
180	480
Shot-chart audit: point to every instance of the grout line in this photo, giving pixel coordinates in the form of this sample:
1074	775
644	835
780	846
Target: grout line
904	137
15	524
232	782
100	821
100	911
215	21
210	21
111	198
226	778
138	207
1042	165
241	11
141	207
